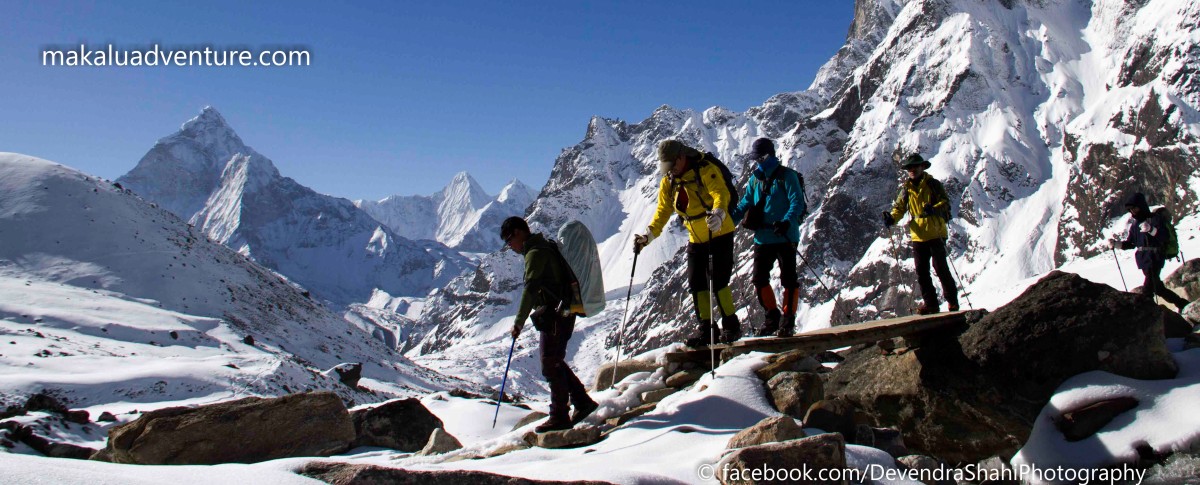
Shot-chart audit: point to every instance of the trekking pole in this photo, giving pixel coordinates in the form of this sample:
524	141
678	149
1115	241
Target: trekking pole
818	278
1115	260
712	316
961	289
621	330
504	381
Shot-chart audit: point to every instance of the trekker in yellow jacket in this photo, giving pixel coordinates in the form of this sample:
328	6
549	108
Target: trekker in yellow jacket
924	198
694	188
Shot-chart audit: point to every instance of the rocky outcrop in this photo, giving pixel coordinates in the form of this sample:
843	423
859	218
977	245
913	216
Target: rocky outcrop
403	425
347	474
770	430
815	453
969	397
532	417
1185	280
440	442
243	431
24	434
794	392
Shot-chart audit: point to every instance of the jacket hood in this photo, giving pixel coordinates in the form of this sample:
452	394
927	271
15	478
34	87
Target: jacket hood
1138	200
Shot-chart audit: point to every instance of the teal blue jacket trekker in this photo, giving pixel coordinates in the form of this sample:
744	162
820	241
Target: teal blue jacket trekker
784	202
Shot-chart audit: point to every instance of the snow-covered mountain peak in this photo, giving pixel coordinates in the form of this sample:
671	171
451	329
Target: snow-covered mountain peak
516	190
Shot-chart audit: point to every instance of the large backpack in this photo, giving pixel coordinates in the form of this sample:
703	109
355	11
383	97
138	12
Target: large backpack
578	249
1171	250
725	174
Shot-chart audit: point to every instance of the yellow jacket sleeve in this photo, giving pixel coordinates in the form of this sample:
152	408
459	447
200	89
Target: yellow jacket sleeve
663	212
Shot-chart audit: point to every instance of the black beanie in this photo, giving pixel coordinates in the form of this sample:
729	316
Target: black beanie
763	147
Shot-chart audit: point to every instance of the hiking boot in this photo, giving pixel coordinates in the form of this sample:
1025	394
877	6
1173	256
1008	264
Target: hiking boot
789	326
703	337
731	329
555	423
927	310
582	411
770	324
952	307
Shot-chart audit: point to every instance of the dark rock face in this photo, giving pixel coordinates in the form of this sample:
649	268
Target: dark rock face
25	434
403	425
1106	330
244	431
969	397
349	374
347	474
820	452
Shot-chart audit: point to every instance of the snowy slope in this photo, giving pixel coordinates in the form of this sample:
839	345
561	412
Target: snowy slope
116	305
461	215
1039	117
323	243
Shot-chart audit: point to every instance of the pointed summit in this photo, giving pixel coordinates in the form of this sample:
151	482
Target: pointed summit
185	167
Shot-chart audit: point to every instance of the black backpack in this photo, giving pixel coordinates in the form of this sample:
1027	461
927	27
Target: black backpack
725	174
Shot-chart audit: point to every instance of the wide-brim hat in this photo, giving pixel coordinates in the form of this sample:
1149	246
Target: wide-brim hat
915	160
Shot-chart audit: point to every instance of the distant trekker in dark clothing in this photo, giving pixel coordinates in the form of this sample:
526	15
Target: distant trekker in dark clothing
924	198
1148	235
547	284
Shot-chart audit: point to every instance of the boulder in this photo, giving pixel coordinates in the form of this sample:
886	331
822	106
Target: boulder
964	398
630	414
833	416
440	442
52	449
532	417
657	395
567	438
1175	325
1191	313
628	367
349	373
1108	330
771	430
1185	280
402	424
1080	423
243	431
815	453
684	378
790	361
349	474
106	417
794	392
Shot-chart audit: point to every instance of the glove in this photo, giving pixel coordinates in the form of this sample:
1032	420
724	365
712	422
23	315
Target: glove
887	220
1148	228
715	218
928	211
641	241
516	330
782	227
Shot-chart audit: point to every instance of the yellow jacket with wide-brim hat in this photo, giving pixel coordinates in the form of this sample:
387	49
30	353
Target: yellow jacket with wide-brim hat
691	199
915	196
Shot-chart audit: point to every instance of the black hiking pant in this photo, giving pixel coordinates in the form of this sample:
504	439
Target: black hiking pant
1153	284
765	256
565	387
923	251
721	248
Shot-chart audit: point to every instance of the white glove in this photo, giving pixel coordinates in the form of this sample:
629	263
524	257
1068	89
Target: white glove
715	218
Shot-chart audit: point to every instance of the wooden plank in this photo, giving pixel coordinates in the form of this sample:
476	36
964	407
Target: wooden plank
828	338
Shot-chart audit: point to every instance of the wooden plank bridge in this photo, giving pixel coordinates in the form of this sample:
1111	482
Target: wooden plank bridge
831	338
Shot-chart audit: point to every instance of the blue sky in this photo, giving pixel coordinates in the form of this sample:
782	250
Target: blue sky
400	95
